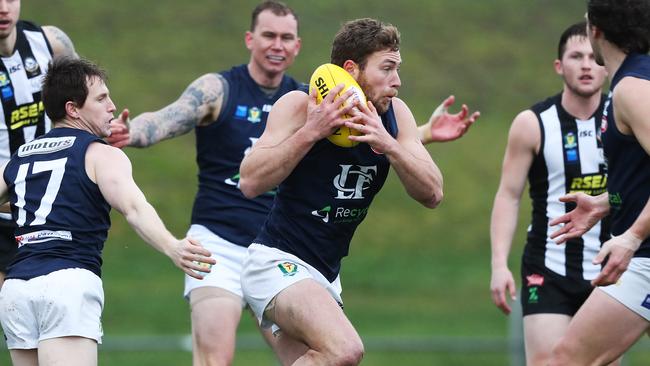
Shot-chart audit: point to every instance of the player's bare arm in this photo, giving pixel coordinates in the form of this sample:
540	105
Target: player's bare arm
523	144
294	125
416	170
111	170
199	105
443	126
60	42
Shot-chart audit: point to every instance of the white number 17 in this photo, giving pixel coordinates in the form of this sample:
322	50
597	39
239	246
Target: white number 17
57	167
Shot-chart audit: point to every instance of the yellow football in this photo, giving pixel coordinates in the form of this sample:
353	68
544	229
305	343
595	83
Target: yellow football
324	79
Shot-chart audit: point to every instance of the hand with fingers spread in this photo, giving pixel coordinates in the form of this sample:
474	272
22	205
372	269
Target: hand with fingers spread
443	126
366	120
190	256
589	210
120	130
502	284
324	118
619	250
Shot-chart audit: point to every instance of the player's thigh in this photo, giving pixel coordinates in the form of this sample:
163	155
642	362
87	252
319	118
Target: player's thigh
69	351
24	357
541	332
306	311
215	315
602	330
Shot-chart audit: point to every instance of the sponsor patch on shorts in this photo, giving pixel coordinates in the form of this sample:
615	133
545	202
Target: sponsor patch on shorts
288	268
535	280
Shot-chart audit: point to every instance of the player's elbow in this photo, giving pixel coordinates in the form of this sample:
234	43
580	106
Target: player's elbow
433	200
248	187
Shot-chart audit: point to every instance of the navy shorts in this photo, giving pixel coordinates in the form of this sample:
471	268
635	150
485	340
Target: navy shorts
546	292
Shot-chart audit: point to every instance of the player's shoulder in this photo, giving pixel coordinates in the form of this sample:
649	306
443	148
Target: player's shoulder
402	111
210	81
102	151
293	97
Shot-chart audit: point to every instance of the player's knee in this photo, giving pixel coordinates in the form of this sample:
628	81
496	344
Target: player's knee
209	352
560	355
350	355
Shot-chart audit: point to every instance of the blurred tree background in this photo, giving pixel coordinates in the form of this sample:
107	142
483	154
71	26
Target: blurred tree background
412	273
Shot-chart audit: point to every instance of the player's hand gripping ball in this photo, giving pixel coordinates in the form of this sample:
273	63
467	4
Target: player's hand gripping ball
324	79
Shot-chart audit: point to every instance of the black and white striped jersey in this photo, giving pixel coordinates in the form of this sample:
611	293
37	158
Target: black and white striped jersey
21	76
570	159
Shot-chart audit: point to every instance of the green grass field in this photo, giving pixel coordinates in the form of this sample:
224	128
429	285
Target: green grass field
412	273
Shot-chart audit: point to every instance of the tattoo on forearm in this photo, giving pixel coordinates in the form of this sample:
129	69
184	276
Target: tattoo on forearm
199	105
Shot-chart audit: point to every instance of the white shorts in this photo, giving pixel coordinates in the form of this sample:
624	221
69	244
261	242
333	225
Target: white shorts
226	274
633	288
63	303
267	271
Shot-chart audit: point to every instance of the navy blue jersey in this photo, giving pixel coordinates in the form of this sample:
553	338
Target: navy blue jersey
628	162
61	215
220	147
320	204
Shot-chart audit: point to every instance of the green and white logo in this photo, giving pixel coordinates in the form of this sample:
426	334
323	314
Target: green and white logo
323	213
533	297
288	268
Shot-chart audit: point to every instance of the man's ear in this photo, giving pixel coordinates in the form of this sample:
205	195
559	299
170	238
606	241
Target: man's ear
557	65
352	68
71	109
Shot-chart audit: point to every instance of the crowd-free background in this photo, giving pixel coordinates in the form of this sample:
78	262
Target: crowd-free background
416	283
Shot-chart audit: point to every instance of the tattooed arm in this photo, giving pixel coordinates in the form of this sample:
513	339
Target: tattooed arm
199	105
60	42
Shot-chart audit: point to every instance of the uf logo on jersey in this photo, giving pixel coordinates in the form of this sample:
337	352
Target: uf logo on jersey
364	175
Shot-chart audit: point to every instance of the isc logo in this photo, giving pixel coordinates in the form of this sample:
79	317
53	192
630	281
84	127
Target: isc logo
586	133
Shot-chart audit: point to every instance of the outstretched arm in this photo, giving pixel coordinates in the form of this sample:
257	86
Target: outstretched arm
111	170
60	42
523	144
199	105
443	126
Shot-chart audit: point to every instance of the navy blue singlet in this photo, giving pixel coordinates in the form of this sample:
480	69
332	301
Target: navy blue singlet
62	217
220	147
324	199
628	162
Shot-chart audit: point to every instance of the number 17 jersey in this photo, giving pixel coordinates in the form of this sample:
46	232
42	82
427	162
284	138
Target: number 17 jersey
62	216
